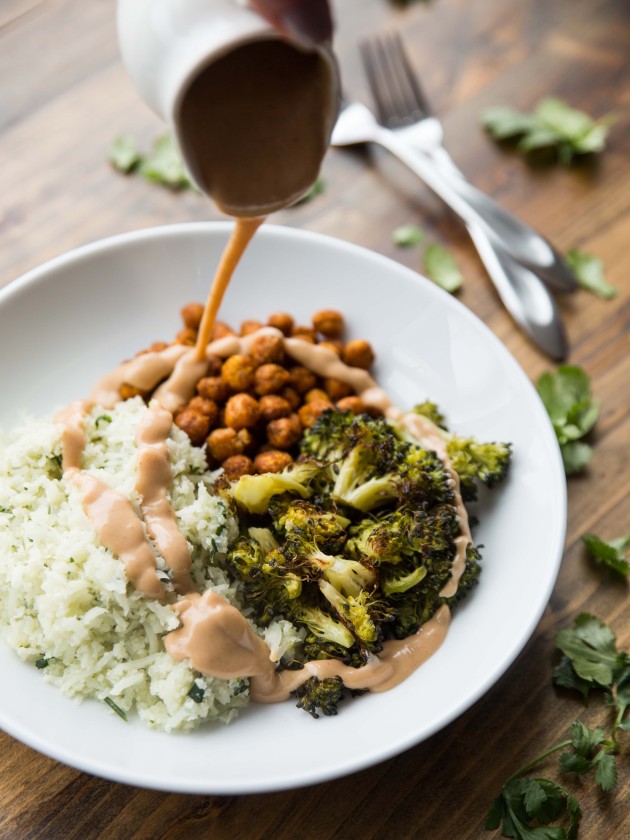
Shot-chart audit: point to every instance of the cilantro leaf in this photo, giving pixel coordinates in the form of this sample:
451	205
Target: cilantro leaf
163	165
565	677
441	267
591	647
553	124
408	236
123	154
589	273
611	554
606	772
503	122
566	395
525	800
575	456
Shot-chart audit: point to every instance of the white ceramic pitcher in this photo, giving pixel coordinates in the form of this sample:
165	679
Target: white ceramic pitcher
166	44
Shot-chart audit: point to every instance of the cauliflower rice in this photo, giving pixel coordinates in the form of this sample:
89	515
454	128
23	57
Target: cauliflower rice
66	605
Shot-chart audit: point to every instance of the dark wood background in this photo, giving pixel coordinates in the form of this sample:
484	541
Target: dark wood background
64	95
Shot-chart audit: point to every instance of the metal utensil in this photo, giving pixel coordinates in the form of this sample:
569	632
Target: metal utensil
402	106
522	292
524	295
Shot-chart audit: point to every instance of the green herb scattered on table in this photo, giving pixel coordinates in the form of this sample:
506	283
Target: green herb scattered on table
123	154
408	236
552	124
530	808
589	273
441	267
161	165
567	397
611	553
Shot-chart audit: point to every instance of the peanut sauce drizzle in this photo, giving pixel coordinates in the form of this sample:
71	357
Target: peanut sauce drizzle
218	641
241	236
154	479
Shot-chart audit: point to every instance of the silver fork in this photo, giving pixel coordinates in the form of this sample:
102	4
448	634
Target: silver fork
403	107
522	292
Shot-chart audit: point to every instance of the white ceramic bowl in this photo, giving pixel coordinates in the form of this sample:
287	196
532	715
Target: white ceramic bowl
65	324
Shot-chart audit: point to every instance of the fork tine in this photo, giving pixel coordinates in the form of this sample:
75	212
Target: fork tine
376	81
398	96
421	101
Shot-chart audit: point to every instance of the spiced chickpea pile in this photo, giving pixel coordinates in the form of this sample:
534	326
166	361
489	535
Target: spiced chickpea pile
250	410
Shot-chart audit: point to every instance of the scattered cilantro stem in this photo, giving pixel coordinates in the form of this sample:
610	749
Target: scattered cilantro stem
538	760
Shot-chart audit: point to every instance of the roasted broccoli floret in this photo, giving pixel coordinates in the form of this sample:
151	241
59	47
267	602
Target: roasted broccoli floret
254	492
304	520
354	612
269	584
324	628
399	581
474	462
320	695
348	576
429	409
383	539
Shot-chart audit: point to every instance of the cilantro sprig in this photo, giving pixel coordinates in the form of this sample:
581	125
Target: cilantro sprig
611	553
592	663
589	273
553	124
573	411
162	164
439	263
537	808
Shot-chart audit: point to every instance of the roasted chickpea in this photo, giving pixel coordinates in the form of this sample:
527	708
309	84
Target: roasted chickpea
248	327
223	443
304	334
220	330
242	412
285	432
358	353
215	363
266	349
281	321
302	379
238	372
195	424
315	395
128	392
272	461
336	389
192	314
207	407
353	404
329	322
269	379
213	388
309	412
272	407
186	336
237	466
335	346
292	397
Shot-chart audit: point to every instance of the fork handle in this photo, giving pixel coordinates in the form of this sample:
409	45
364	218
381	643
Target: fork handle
524	295
505	231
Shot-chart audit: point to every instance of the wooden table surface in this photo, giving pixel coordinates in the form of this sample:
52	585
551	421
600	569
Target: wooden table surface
64	95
